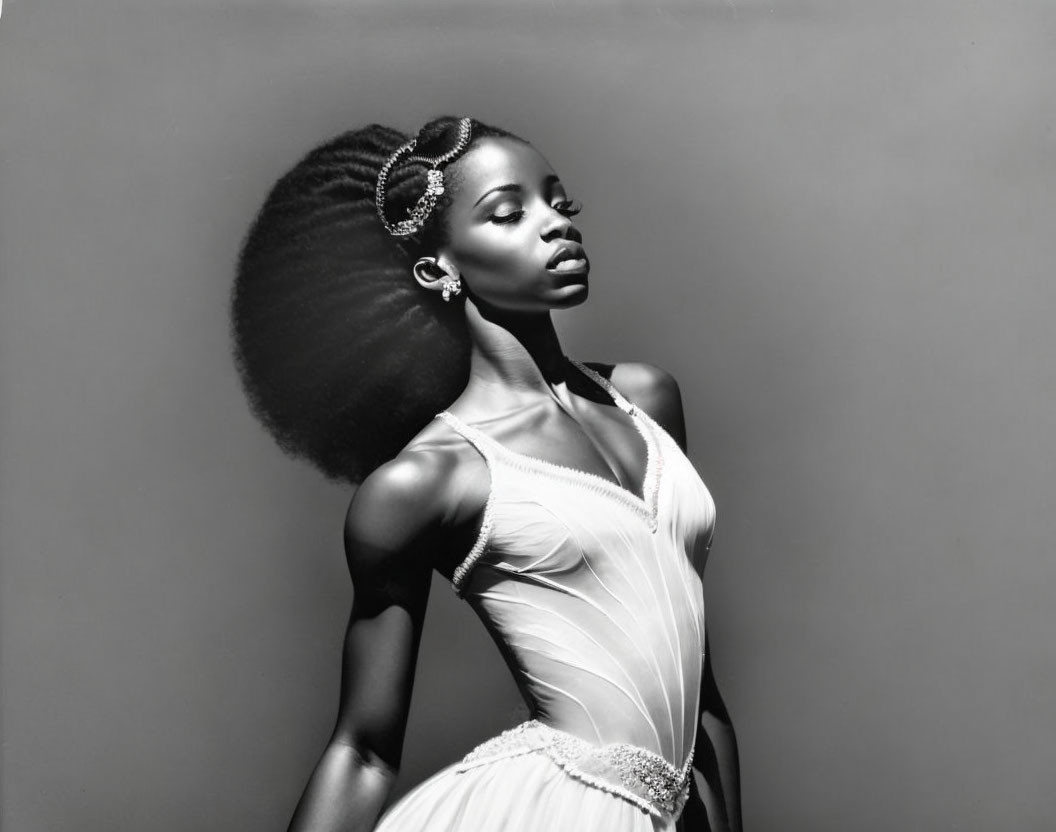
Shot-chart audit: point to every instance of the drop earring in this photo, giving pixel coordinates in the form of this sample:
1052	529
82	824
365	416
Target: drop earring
452	286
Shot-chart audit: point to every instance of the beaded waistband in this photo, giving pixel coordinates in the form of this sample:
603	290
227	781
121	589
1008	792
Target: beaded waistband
628	771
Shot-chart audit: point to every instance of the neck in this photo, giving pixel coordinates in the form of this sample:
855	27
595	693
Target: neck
519	355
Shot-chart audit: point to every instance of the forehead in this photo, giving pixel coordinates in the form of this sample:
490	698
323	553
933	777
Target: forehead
492	162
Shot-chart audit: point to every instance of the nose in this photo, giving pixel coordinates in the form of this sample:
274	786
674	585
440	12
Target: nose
558	226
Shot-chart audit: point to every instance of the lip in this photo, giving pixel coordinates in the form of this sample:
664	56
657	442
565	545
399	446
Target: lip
567	252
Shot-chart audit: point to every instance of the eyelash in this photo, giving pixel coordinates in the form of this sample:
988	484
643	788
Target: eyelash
568	207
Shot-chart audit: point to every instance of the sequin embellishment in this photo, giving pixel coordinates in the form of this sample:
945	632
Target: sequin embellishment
635	774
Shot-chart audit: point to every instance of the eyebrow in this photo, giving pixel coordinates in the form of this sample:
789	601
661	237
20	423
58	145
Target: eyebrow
550	179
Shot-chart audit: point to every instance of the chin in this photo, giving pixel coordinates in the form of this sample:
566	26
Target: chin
571	295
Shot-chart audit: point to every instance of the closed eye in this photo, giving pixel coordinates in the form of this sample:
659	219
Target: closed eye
569	207
513	216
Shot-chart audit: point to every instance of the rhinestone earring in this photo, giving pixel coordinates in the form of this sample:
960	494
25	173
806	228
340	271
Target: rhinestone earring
452	286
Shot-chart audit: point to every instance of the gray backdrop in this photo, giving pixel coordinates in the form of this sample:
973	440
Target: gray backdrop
832	220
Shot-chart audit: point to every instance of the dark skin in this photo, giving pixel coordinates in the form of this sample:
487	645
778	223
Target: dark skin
422	511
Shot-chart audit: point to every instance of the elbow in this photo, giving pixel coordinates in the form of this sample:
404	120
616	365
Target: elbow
364	754
715	709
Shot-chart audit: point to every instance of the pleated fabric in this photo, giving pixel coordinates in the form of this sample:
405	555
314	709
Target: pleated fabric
594	594
529	793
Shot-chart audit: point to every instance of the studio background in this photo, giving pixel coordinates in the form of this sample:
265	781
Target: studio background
832	221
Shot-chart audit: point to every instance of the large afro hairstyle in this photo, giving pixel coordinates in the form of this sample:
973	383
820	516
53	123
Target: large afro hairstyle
343	356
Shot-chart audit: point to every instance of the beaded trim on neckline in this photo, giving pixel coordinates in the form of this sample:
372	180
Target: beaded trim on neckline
646	506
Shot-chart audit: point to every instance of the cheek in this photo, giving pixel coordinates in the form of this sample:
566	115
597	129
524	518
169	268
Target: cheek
508	254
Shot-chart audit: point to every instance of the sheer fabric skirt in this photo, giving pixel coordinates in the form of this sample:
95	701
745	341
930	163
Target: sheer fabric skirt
534	778
527	793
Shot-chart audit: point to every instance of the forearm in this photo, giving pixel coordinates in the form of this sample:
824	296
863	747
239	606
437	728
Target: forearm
717	762
346	792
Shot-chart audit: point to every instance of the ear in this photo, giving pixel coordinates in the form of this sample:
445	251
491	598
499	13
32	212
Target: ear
432	272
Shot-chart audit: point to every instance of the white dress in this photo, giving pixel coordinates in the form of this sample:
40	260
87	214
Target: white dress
594	596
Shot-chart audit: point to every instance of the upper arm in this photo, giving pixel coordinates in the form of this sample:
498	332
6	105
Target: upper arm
710	699
656	392
390	535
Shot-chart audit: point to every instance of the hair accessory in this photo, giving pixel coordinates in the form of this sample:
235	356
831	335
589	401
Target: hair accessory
452	286
418	214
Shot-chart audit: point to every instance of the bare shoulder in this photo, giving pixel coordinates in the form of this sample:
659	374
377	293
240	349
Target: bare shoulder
650	387
413	511
653	390
396	510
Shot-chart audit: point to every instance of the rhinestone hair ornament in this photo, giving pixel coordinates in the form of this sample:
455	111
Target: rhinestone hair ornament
421	210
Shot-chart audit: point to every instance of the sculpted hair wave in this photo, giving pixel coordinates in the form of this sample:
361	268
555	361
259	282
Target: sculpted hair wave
343	356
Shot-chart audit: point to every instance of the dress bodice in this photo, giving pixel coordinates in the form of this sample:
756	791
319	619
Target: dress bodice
594	593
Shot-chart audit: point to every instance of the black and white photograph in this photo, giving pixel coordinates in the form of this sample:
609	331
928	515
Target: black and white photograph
536	416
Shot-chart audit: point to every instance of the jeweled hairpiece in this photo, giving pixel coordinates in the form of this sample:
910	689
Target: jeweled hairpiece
421	210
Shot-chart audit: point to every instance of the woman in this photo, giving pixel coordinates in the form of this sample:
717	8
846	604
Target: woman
392	324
